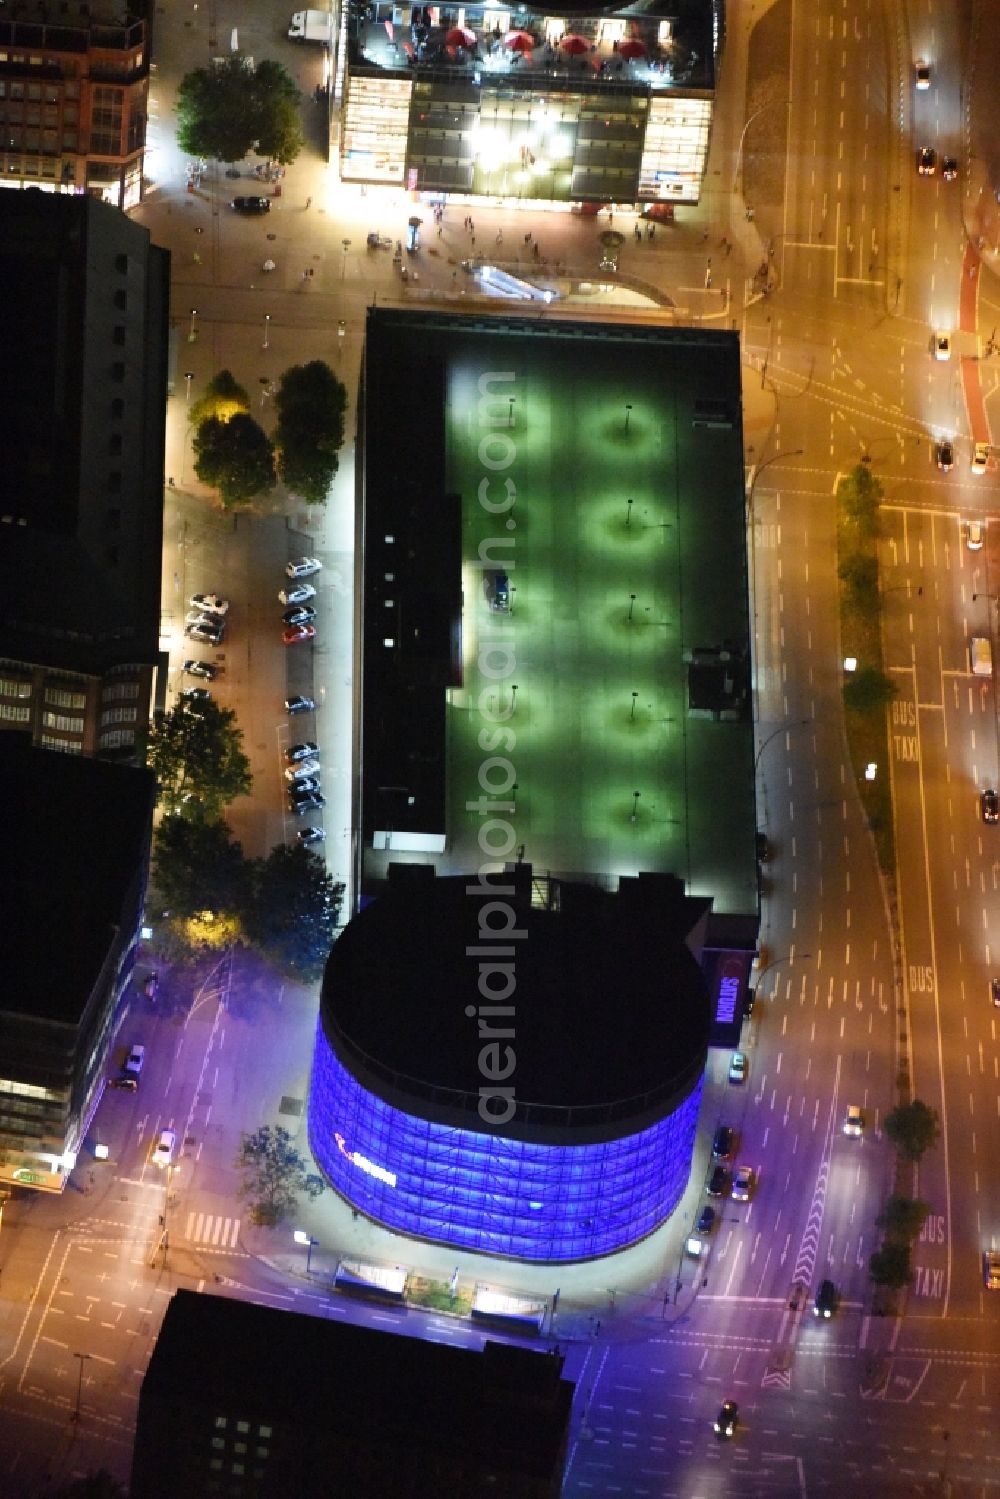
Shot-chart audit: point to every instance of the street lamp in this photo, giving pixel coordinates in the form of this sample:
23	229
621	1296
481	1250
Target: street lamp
513	695
301	1237
343	269
631	606
79	1385
635	804
628	514
267	330
802	723
739	154
510	410
788	958
192	335
188	377
628	414
774	458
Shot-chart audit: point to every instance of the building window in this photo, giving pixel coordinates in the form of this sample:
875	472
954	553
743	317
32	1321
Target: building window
221	1423
60	698
218	1442
120	692
243	1427
9	713
116	739
264	1431
118	715
10	687
67	746
63	722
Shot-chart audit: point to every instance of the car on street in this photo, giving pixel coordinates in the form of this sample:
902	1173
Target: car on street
297	633
252	204
762	848
310	835
922	74
299	704
995	991
195	695
949	168
926	161
974	532
299	614
749	1000
743	1183
309	803
727	1421
299	790
827	1300
695	1246
724	1143
135	1061
302	770
706	1219
944	456
854	1122
209	603
989	805
980	457
297	595
164	1152
738	1067
205	633
303	567
719	1182
201	669
199	617
128	1083
307	750
991	1269
941	344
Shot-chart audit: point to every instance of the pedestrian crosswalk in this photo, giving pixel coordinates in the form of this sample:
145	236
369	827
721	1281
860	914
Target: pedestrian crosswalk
212	1229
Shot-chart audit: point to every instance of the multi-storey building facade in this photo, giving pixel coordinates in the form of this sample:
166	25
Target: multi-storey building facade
74	83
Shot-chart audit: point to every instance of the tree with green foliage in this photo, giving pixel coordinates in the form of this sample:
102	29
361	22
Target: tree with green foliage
890	1266
913	1128
229	110
860	573
902	1218
860	494
274	1174
310	404
196	753
293	910
198	867
868	690
235	457
223	398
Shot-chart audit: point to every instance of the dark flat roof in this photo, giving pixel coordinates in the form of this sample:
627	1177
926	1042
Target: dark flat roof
608	1001
76	835
358	1385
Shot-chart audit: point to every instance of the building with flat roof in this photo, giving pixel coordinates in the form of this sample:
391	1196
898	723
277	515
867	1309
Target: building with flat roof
74	98
84	386
593	718
603	104
511	1064
74	861
245	1400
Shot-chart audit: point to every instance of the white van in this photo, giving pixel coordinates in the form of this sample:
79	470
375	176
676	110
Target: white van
981	656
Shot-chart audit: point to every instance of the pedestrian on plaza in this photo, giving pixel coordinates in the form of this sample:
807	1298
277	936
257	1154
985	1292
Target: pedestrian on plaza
472	229
527	238
499	236
440	230
704	237
708	263
309	202
638	234
536	250
708	280
651	231
473	240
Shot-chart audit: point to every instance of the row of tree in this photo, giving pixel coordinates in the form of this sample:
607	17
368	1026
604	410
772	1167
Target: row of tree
285	904
913	1128
234	454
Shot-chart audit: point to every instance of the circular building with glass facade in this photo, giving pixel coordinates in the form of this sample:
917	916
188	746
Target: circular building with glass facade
513	1065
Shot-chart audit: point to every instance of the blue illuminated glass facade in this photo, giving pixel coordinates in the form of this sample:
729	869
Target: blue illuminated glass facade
488	1192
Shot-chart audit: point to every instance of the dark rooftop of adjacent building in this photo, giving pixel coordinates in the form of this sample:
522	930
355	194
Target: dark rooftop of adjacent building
353	1386
75	837
608	1002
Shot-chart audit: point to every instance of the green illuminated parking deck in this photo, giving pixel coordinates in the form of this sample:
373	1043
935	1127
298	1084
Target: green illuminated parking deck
600	469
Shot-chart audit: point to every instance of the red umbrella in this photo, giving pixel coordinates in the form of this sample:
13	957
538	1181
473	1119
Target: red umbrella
460	36
574	45
633	48
451	52
519	41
